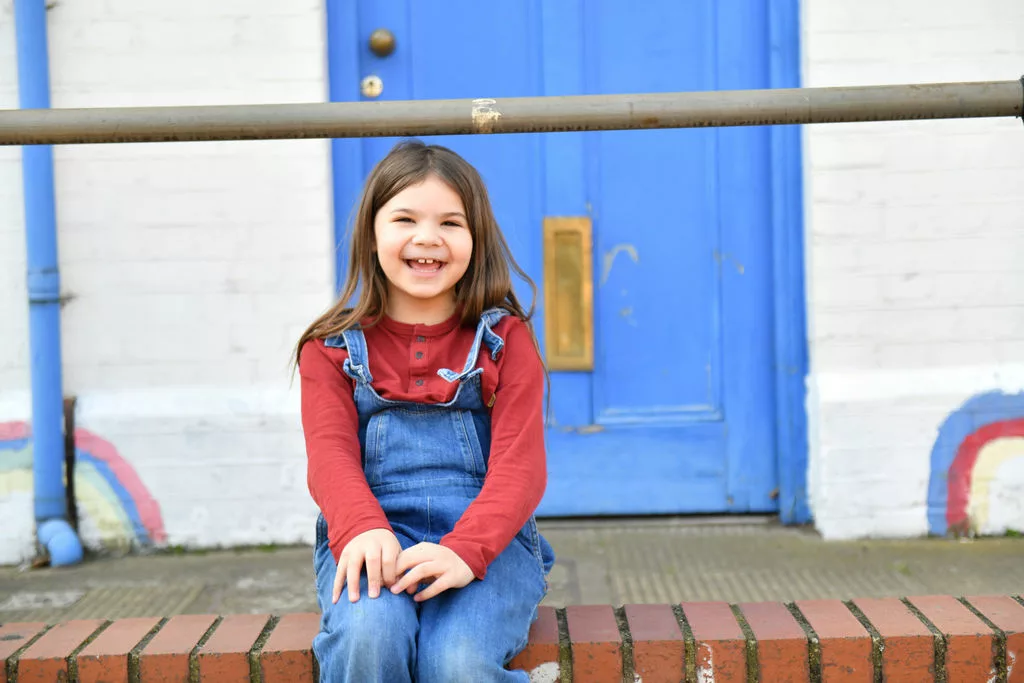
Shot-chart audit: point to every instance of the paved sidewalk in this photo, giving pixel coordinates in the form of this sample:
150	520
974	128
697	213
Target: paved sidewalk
611	561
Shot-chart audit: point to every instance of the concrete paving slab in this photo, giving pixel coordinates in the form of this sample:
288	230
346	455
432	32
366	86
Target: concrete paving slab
599	561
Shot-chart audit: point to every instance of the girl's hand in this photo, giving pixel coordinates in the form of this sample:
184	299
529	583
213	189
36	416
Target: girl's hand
379	550
437	565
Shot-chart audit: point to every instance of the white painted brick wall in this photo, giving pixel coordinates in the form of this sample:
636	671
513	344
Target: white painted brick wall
15	503
13	300
192	268
915	245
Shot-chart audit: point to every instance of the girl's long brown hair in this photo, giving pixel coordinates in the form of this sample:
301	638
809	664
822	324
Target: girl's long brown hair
487	282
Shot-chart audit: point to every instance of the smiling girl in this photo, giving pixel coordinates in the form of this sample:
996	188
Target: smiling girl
422	392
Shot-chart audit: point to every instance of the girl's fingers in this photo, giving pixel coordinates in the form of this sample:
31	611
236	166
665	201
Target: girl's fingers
389	561
408	559
339	577
355	566
373	572
440	584
414	576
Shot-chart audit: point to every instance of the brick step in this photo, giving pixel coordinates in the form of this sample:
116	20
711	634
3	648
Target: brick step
927	638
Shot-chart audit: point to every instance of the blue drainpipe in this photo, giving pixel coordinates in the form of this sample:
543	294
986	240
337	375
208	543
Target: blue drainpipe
51	512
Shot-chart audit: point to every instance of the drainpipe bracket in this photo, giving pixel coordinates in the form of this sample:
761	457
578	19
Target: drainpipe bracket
44	286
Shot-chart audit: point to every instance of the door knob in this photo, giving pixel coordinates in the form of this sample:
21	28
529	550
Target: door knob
382	42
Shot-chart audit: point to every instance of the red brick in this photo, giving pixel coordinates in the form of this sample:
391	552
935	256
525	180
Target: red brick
721	646
659	652
13	637
46	659
596	643
1008	615
970	643
287	655
106	658
225	656
909	647
543	645
845	643
781	642
165	658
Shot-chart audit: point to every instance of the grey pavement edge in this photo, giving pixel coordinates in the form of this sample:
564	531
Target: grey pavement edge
652	560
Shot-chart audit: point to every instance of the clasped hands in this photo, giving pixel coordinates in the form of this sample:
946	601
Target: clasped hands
390	567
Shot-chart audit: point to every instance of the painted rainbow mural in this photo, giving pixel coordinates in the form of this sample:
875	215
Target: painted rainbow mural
107	489
972	446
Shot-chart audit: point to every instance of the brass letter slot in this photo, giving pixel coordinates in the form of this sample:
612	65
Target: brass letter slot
568	293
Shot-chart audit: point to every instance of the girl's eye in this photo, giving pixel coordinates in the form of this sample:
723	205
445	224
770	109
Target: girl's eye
453	224
403	219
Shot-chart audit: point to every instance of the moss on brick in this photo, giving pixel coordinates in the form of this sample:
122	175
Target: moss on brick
998	644
813	643
72	659
564	647
135	654
939	666
193	656
753	664
877	642
627	644
689	643
11	666
255	670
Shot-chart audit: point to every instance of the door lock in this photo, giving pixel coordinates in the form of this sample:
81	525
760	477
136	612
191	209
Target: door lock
371	86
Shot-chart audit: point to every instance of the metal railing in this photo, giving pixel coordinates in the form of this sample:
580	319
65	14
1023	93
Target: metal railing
513	115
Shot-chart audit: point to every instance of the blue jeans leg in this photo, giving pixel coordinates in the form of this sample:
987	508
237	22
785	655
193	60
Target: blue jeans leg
370	641
470	634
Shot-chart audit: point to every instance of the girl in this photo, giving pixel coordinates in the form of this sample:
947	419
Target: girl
421	408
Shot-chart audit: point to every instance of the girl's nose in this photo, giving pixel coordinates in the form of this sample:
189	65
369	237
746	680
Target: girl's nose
426	233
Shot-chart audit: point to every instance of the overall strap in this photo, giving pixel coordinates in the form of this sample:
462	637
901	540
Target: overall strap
357	365
485	334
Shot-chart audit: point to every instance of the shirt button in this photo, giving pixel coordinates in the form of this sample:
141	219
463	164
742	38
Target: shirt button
419	354
419	383
421	339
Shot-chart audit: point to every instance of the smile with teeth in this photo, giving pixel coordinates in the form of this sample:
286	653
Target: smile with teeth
425	265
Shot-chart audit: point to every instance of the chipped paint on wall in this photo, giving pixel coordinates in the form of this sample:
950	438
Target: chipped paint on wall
609	259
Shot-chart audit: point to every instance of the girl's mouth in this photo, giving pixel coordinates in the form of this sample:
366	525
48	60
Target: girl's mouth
425	265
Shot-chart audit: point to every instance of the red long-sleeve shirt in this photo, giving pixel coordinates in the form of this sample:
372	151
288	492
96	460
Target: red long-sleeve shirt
400	356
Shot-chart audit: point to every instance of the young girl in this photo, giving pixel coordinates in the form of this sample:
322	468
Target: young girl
422	413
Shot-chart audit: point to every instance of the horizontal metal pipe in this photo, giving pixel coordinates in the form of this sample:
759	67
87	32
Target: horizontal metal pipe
513	115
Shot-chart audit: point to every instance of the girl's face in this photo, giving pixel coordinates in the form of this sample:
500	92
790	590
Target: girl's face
424	246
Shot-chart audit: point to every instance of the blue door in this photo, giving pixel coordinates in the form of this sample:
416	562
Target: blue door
673	410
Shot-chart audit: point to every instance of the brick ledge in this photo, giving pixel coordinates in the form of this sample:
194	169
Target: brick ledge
925	638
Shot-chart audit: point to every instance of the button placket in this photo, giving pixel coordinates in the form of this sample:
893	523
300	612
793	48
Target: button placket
418	364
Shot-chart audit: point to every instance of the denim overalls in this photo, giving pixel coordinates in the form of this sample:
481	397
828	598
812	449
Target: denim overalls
426	463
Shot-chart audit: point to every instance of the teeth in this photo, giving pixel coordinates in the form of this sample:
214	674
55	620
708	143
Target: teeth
425	260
